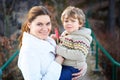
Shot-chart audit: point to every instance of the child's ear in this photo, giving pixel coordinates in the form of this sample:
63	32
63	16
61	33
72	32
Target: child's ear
81	24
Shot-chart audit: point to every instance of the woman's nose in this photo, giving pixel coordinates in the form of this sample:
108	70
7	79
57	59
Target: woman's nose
45	27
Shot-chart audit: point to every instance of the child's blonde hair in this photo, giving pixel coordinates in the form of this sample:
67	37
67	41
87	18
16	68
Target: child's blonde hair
73	12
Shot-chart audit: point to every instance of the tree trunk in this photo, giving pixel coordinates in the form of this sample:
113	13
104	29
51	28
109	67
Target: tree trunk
119	14
111	17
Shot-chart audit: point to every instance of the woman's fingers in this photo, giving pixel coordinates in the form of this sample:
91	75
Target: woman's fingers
82	72
76	76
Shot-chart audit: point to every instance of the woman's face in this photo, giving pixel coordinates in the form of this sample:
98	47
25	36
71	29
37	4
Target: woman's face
40	26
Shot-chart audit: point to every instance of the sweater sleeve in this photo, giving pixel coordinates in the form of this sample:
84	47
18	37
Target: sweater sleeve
29	67
52	74
70	53
32	70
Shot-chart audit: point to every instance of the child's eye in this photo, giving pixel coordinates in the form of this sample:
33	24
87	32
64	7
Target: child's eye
66	21
73	20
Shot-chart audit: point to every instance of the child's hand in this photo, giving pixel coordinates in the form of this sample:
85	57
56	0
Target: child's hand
64	33
53	36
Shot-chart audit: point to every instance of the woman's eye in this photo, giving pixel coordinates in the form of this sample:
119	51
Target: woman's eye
39	24
48	24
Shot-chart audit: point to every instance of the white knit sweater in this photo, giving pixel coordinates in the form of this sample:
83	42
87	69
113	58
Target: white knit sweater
36	59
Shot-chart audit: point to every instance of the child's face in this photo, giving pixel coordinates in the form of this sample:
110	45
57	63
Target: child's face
71	24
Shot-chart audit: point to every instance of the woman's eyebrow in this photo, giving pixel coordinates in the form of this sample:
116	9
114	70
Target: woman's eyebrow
48	22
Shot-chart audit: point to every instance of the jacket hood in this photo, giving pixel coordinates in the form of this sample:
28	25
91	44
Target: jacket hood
86	32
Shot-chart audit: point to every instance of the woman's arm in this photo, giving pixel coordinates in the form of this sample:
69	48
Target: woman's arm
52	74
30	66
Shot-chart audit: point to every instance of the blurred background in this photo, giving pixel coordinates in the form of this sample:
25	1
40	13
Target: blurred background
103	17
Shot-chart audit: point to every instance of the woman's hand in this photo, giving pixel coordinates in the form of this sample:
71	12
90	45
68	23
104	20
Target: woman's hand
81	73
59	59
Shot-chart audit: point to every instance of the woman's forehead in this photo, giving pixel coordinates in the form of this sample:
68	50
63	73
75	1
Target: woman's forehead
43	18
